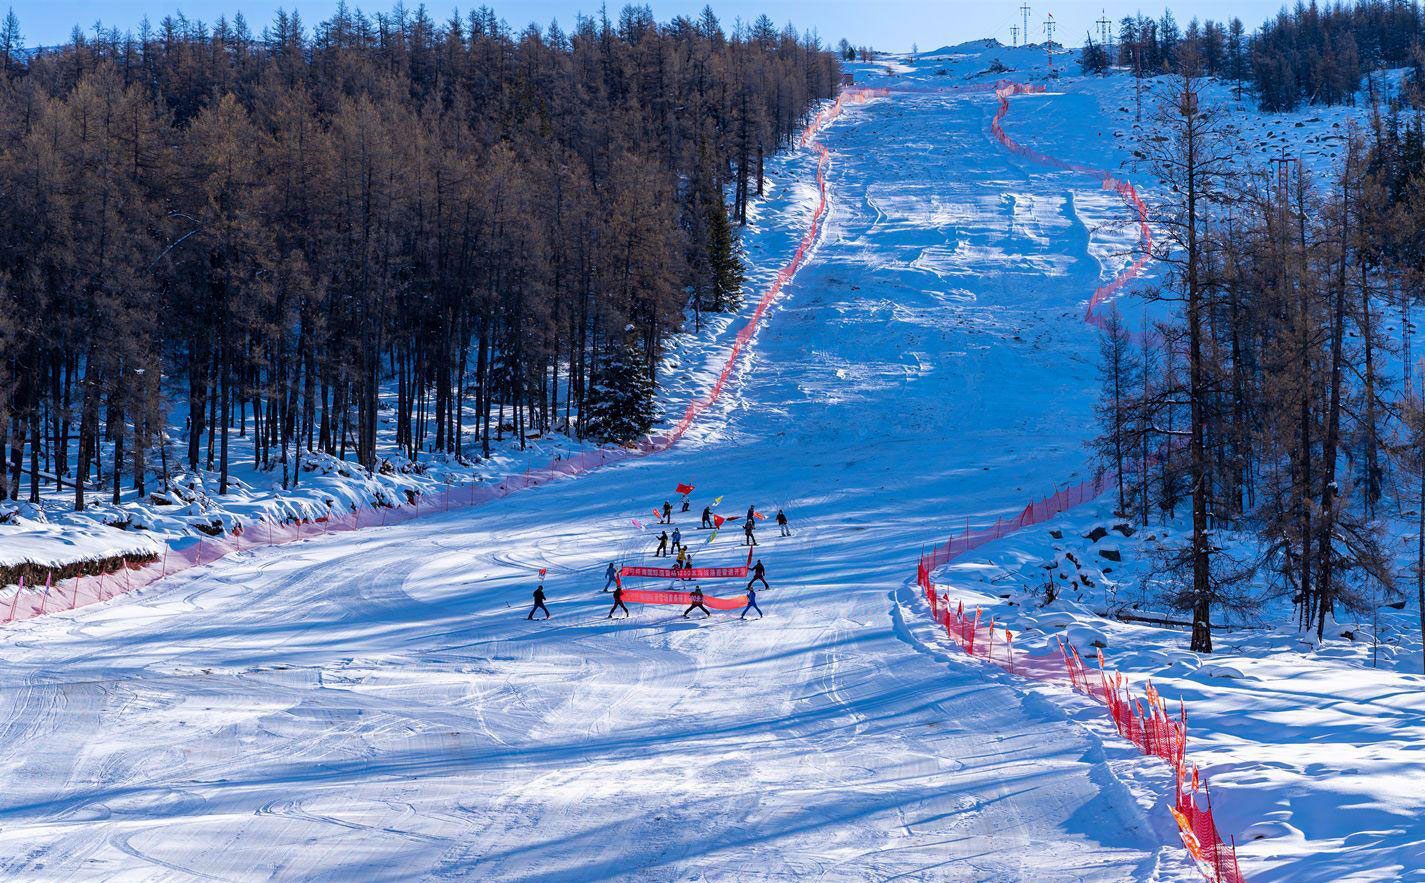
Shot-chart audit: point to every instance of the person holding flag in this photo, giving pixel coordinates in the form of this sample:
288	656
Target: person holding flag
667	512
662	545
677	538
707	517
618	604
538	602
758	572
697	598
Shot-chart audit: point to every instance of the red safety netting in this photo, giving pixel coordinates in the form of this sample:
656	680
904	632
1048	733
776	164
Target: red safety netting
1145	721
643	596
26	602
1003	91
685	573
698	405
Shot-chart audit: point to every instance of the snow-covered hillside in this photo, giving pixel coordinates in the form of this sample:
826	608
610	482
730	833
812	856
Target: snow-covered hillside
375	706
1311	748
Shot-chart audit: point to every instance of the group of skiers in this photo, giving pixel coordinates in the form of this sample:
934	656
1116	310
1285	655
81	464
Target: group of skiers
759	574
682	561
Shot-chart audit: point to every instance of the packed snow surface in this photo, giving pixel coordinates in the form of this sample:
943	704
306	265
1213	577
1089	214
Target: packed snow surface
375	706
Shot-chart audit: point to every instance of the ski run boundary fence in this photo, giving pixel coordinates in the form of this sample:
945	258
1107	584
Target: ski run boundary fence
1151	726
27	602
1147	722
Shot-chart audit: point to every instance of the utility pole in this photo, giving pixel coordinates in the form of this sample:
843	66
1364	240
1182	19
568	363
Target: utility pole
1014	34
1138	79
1105	35
1025	9
1049	25
1283	166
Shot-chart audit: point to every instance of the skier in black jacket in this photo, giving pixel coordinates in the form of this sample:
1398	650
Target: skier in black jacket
538	603
667	512
697	598
748	538
662	545
782	523
758	573
707	516
618	603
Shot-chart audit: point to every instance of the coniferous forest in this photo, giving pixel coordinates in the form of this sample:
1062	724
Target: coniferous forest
1284	400
277	228
1308	54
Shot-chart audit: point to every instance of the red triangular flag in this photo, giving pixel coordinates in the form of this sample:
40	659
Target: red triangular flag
684	489
718	520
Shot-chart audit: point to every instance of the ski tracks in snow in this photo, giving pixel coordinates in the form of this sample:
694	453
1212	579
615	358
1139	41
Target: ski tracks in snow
376	707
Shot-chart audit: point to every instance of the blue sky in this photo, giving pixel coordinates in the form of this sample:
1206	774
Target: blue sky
887	24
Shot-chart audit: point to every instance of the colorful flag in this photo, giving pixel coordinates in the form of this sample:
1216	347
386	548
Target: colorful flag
717	500
684	489
759	515
638	524
657	513
718	520
542	572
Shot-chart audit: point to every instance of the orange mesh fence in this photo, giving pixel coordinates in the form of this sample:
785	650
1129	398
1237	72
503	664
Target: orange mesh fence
1144	721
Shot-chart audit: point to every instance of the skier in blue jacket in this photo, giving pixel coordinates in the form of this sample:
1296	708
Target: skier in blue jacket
610	576
751	604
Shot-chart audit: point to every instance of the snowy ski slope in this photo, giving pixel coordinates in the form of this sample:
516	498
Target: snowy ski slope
375	706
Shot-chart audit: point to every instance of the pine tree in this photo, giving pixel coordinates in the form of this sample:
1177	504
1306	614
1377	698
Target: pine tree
620	407
723	258
1194	159
1120	375
1093	58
